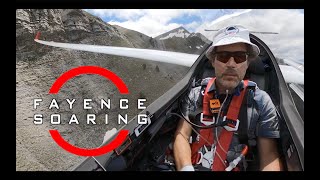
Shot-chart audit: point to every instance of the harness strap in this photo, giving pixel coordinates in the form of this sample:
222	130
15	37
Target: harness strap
243	126
226	136
206	133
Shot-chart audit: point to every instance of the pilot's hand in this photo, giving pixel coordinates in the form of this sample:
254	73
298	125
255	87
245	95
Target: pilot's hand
187	168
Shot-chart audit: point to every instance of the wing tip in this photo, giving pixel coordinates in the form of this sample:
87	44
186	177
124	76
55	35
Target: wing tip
37	36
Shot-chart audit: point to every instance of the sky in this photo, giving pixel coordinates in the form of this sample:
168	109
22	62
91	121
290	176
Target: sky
288	23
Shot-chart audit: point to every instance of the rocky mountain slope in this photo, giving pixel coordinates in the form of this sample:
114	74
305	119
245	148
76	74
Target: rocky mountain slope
38	66
182	40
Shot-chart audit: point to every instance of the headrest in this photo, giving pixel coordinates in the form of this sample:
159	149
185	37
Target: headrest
256	66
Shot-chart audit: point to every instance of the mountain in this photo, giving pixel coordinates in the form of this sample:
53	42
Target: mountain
138	39
38	66
178	40
179	32
74	26
181	40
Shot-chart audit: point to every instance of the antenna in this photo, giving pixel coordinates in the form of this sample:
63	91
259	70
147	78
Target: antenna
258	32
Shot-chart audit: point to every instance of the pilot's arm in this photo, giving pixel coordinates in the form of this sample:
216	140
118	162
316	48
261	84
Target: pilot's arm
269	156
268	132
181	146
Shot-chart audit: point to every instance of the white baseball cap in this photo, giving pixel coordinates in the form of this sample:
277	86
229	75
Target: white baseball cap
230	35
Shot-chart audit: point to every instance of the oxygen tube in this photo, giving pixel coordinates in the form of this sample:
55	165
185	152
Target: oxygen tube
205	127
236	161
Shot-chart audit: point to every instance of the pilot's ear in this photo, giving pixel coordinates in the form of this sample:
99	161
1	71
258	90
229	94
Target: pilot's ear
212	62
252	58
248	62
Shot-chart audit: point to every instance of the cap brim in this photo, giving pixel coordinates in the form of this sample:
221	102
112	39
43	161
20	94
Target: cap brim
233	40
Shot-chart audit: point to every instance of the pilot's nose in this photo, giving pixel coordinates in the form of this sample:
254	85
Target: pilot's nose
231	62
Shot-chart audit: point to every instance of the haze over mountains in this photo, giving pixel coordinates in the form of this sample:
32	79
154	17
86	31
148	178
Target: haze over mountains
38	66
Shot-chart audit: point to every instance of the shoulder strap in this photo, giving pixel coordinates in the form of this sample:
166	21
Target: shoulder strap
250	107
226	136
243	126
207	133
206	98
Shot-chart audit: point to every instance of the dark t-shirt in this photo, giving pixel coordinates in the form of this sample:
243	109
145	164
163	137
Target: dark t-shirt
262	120
262	116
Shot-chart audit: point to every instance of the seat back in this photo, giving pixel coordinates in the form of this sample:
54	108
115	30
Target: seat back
256	73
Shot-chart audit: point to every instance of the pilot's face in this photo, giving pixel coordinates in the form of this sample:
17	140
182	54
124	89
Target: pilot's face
230	70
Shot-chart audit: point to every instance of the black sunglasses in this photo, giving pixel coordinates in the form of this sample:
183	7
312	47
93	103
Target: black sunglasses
238	56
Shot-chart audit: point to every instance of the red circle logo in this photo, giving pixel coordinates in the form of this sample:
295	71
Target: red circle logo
122	89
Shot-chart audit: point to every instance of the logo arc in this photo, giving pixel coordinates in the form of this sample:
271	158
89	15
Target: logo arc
88	70
119	139
89	152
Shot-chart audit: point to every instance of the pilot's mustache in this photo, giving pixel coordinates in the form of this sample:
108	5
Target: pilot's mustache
230	72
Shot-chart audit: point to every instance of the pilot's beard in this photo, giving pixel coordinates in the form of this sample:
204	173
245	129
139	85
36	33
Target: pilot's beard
227	84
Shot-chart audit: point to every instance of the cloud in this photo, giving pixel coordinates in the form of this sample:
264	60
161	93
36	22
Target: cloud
192	26
154	22
122	14
288	44
151	22
228	16
147	25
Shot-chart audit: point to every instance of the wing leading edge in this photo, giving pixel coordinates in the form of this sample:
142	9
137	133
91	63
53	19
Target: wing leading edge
183	59
291	74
